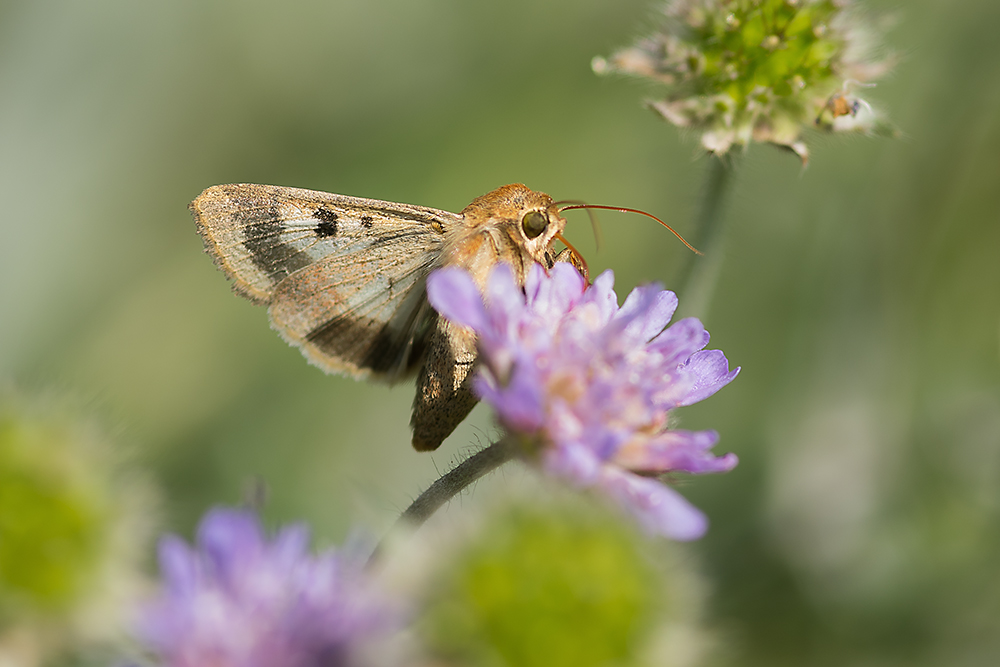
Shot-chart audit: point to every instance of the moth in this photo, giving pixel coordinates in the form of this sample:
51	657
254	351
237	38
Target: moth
343	278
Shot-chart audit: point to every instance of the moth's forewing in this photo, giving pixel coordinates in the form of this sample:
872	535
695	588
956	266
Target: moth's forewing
373	323
343	276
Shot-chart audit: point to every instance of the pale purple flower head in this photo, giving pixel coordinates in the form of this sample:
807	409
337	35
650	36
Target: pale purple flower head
239	599
591	383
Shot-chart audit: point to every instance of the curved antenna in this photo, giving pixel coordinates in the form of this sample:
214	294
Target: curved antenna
575	253
622	209
598	237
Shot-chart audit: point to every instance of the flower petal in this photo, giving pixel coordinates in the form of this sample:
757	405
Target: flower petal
503	294
178	564
519	403
290	545
647	309
602	294
555	293
709	371
659	509
227	537
573	462
453	293
683	451
680	340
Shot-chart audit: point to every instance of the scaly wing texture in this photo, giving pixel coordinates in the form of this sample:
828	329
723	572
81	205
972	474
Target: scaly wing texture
343	276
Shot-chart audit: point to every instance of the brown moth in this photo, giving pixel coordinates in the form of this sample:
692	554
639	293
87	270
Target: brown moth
344	278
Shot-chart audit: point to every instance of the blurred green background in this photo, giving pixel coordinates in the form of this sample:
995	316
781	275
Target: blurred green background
861	295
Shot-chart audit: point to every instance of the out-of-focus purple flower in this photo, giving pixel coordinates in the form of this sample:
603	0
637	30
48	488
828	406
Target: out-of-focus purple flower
239	599
590	384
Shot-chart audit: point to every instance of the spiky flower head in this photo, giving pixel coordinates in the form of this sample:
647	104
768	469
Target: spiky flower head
759	70
588	385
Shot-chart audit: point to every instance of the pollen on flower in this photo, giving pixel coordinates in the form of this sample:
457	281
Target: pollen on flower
590	383
755	70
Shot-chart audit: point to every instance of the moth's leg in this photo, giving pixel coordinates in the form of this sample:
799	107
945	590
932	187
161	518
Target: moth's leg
444	385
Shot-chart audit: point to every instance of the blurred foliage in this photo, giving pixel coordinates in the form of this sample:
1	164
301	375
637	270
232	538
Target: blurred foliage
861	296
72	526
53	523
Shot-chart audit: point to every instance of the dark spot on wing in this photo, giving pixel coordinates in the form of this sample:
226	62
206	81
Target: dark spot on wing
262	230
366	221
328	222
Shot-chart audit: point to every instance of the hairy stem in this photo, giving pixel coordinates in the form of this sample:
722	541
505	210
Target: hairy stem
453	482
696	280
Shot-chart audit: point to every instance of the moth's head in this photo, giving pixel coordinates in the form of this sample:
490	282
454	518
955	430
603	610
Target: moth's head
531	218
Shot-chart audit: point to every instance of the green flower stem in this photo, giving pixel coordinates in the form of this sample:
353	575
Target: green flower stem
696	281
452	483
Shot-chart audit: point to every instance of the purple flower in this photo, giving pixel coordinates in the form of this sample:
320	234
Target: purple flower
591	384
239	599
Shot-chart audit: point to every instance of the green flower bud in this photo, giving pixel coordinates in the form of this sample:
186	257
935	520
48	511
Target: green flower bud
70	535
759	70
564	582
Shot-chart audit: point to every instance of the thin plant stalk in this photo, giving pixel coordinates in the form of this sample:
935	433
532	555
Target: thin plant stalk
696	281
453	482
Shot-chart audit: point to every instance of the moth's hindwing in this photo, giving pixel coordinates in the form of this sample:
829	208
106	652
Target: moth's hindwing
343	276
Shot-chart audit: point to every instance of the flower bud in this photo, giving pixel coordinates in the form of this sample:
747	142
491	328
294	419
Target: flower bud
558	580
738	71
72	527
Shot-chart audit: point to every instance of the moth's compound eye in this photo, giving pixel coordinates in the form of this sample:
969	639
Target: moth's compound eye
534	223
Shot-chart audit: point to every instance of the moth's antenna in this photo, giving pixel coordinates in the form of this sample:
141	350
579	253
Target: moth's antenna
635	210
576	253
598	237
